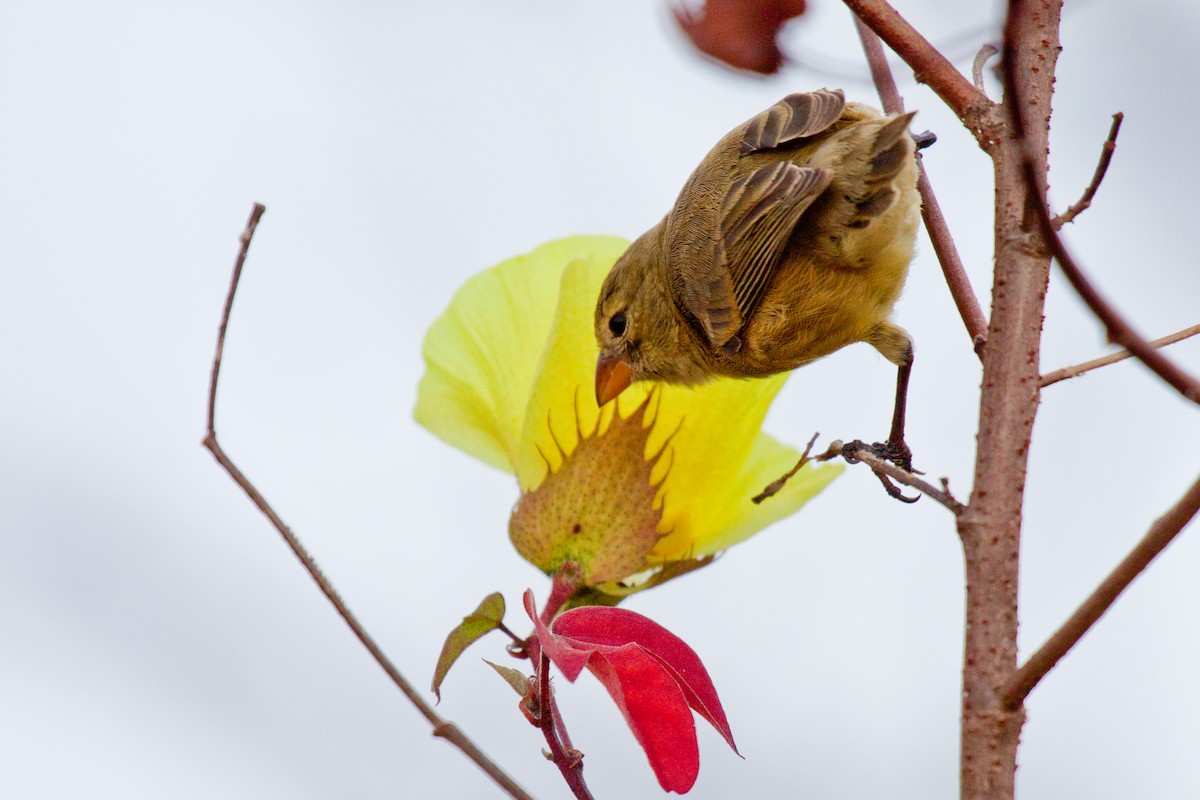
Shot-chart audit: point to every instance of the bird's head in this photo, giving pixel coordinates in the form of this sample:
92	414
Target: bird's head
640	331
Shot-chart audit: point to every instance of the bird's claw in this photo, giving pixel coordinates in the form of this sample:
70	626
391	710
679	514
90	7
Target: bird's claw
897	453
894	491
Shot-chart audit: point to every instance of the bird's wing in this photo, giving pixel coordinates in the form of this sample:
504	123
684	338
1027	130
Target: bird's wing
793	117
757	218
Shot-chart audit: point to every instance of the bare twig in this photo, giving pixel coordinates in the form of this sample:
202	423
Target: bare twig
251	226
981	58
1119	331
1076	370
442	728
881	71
774	486
928	64
1161	533
931	211
1106	154
878	465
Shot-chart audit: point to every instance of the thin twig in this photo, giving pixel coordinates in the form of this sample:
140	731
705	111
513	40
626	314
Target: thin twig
570	764
878	465
1064	373
881	70
1119	331
442	728
928	64
931	211
774	486
251	226
1106	154
981	58
1161	533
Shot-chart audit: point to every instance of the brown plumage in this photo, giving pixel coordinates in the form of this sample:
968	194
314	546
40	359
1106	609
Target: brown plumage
790	240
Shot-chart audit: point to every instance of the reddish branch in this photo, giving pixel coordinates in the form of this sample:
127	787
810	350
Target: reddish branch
931	211
929	66
566	581
1106	154
1161	534
570	764
990	528
442	728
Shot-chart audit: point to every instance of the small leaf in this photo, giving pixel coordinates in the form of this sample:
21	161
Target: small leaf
482	620
514	677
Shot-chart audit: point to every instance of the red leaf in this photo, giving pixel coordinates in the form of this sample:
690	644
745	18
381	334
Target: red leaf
570	659
654	708
651	674
617	626
740	33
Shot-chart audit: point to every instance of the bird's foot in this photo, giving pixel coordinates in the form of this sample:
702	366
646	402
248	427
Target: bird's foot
894	452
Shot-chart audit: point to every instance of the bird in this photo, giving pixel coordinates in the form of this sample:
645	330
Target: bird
791	240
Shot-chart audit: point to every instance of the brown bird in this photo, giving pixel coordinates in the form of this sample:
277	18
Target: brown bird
791	240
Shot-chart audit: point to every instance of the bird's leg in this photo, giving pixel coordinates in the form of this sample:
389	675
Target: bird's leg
896	345
895	449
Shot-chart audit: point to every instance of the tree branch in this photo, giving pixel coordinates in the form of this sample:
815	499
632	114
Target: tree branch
1106	154
1064	373
1161	534
441	727
1119	331
931	211
857	452
990	526
929	66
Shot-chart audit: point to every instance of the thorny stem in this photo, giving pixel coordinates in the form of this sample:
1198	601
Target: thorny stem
990	526
1161	533
1119	331
965	299
441	728
1063	373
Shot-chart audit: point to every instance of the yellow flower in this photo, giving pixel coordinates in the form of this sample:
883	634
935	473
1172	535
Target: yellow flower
633	495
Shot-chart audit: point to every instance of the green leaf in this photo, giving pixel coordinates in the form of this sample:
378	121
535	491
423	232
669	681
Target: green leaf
515	678
482	620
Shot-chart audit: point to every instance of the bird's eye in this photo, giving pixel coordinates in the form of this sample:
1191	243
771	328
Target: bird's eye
616	323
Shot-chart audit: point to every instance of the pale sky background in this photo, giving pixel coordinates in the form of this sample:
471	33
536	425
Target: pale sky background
158	641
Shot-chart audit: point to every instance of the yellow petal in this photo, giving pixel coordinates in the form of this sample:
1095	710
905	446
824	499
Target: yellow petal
718	460
563	401
768	460
482	353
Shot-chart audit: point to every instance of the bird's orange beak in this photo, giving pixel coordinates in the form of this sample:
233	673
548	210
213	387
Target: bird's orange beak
613	376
